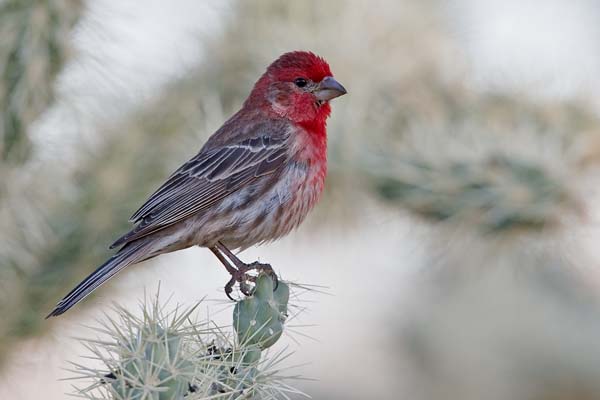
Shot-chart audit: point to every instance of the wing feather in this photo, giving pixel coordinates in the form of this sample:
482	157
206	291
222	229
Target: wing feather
210	176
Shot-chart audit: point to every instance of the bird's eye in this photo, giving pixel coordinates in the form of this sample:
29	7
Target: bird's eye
300	82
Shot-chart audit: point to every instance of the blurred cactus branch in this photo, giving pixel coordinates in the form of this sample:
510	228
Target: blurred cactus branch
33	49
497	193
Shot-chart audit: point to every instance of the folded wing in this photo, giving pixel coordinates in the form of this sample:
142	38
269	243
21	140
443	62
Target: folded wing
210	176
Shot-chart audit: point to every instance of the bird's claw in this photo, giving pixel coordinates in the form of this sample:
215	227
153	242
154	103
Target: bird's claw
241	275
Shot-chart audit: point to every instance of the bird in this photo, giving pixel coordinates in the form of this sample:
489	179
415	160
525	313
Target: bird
253	181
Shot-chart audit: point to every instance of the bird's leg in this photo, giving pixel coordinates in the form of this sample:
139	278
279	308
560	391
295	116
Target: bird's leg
230	268
237	275
243	268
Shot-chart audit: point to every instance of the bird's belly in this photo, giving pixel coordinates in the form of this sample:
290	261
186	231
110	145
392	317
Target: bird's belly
269	208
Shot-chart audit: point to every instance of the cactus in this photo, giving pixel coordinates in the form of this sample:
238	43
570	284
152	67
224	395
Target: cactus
259	319
152	359
167	356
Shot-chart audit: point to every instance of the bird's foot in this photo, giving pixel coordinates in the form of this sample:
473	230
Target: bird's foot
246	280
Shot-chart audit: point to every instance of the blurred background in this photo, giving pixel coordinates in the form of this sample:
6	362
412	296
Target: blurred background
456	240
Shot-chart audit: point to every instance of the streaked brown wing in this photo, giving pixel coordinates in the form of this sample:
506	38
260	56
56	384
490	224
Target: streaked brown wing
207	178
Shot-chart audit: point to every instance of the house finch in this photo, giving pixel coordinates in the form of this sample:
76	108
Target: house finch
253	181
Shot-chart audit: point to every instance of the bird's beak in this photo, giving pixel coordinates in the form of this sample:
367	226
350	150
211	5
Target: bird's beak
329	89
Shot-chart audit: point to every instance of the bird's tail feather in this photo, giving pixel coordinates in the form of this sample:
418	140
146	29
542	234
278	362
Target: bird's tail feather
130	254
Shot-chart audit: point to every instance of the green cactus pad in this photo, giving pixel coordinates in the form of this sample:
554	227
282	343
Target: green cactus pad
259	319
